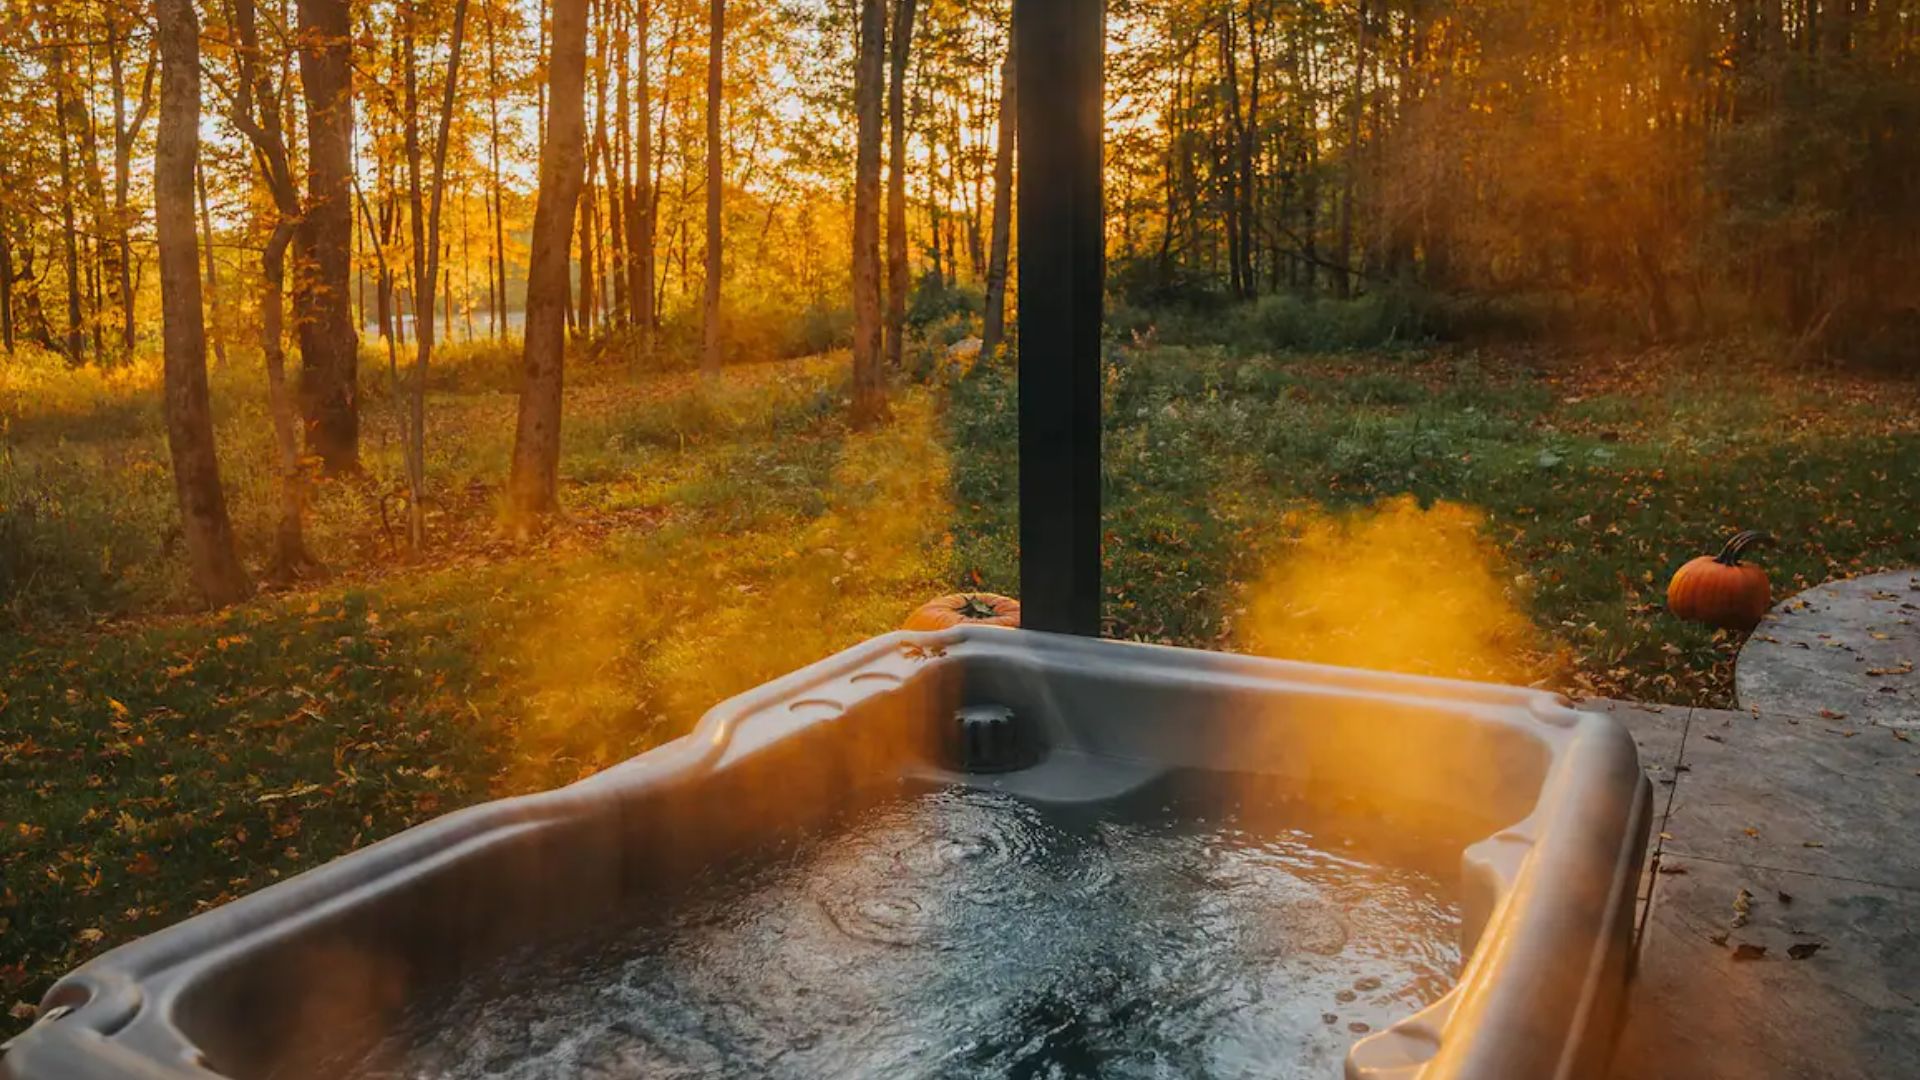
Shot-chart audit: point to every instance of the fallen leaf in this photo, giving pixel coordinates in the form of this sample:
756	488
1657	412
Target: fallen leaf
1829	714
90	935
23	1010
1748	951
1803	950
1672	869
144	865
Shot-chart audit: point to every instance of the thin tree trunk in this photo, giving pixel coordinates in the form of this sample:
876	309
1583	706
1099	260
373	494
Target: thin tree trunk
1002	215
6	273
290	558
213	274
323	298
716	180
869	389
1343	278
640	214
101	256
424	212
76	329
583	321
497	276
1230	175
125	133
616	168
900	45
466	271
207	533
533	484
257	112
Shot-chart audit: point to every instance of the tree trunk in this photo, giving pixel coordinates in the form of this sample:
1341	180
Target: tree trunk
257	112
533	484
1231	175
1002	215
618	181
125	133
196	469
323	297
716	103
76	328
424	212
640	213
900	44
6	274
1343	277
869	390
583	322
100	255
497	278
213	274
290	557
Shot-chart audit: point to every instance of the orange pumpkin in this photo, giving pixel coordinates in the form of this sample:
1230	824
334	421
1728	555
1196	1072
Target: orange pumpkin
1721	590
979	608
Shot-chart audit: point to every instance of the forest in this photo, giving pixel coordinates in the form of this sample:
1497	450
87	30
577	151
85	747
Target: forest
409	402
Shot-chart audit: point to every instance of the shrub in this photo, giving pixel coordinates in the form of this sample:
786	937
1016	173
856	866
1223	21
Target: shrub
935	300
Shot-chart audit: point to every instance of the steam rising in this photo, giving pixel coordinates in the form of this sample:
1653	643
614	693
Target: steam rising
1396	587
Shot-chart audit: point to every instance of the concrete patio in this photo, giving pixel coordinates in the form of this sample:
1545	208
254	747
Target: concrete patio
1780	913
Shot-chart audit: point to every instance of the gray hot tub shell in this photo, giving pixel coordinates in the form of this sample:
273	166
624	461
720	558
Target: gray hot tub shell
1551	800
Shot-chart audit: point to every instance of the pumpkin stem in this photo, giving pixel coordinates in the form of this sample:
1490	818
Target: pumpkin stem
1738	545
976	608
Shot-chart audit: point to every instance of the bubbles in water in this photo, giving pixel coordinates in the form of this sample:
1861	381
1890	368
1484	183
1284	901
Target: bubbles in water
964	933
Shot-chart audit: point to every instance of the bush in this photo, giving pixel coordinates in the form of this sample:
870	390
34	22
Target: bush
1148	282
935	300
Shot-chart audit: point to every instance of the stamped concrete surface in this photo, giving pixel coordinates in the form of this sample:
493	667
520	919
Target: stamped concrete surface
1846	649
1780	932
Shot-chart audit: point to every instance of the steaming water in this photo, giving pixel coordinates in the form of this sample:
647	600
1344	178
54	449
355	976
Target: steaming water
964	933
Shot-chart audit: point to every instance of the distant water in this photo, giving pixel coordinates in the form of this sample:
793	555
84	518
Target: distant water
969	934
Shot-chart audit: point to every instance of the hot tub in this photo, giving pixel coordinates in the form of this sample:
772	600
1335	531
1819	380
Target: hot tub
976	852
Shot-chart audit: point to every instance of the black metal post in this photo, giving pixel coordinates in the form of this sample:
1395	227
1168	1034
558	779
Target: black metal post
1059	46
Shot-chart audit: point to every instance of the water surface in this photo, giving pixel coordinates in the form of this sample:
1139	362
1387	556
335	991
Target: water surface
962	933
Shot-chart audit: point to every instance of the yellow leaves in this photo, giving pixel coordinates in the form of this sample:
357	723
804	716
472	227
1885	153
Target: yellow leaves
90	935
119	709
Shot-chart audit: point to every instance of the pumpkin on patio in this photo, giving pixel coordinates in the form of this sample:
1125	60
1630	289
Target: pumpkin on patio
1721	590
979	608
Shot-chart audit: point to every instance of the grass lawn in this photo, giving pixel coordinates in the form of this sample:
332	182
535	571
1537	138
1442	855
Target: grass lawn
154	762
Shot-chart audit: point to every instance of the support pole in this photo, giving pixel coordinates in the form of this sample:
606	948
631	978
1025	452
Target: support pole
1059	46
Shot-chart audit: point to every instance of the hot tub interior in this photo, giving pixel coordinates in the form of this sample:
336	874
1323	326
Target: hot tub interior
974	853
1195	927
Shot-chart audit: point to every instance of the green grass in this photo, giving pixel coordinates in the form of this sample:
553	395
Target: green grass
1597	476
154	761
